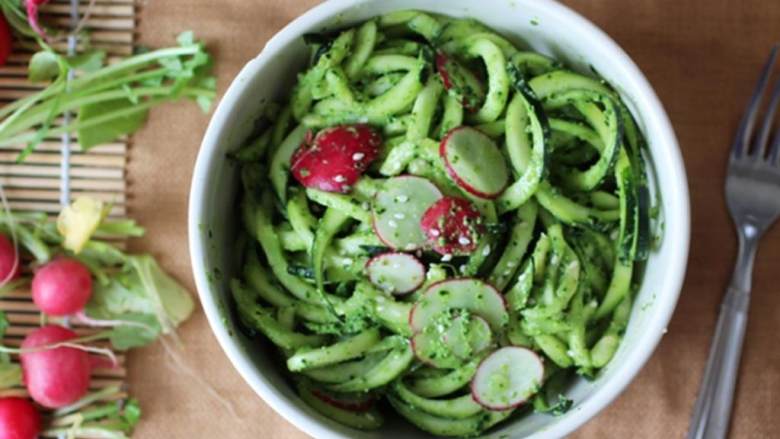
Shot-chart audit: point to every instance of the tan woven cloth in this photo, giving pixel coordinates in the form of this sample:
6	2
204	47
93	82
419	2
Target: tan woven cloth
702	56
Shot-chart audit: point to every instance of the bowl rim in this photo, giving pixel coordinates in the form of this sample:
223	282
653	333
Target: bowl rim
601	397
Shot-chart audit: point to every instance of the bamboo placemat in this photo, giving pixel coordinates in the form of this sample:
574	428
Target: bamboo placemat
100	173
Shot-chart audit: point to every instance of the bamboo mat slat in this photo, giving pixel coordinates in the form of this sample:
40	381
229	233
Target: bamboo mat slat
118	148
54	171
54	183
18	82
97	22
22	58
88	160
52	207
50	195
84	3
35	184
99	9
13	70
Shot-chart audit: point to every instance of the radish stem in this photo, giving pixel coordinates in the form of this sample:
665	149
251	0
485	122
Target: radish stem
87	400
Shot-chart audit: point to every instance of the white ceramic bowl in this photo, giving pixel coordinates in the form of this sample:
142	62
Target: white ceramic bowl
545	26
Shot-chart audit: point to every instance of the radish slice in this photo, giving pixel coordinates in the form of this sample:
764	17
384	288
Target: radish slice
448	342
470	294
460	82
453	226
359	404
336	158
507	378
397	209
474	162
397	273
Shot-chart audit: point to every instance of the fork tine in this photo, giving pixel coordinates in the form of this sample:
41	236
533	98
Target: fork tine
774	151
769	121
742	139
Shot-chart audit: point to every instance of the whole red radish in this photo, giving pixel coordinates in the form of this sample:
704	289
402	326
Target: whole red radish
452	226
62	287
54	377
9	260
336	158
5	40
18	419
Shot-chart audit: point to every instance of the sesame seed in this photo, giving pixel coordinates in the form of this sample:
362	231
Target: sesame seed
402	198
446	258
399	215
392	224
358	156
339	179
464	241
462	269
486	251
435	232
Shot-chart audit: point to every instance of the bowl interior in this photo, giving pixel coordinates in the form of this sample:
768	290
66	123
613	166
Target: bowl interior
542	25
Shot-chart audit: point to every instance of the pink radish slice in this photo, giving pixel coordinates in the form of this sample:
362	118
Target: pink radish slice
398	208
10	265
452	226
54	377
19	419
460	82
336	158
473	295
474	162
507	378
397	273
350	404
62	287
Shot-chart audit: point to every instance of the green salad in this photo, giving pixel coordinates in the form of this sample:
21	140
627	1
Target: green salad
440	224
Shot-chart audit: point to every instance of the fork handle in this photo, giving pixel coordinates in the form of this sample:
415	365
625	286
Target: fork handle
713	407
712	411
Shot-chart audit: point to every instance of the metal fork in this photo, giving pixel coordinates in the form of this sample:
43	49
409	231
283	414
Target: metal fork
753	199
